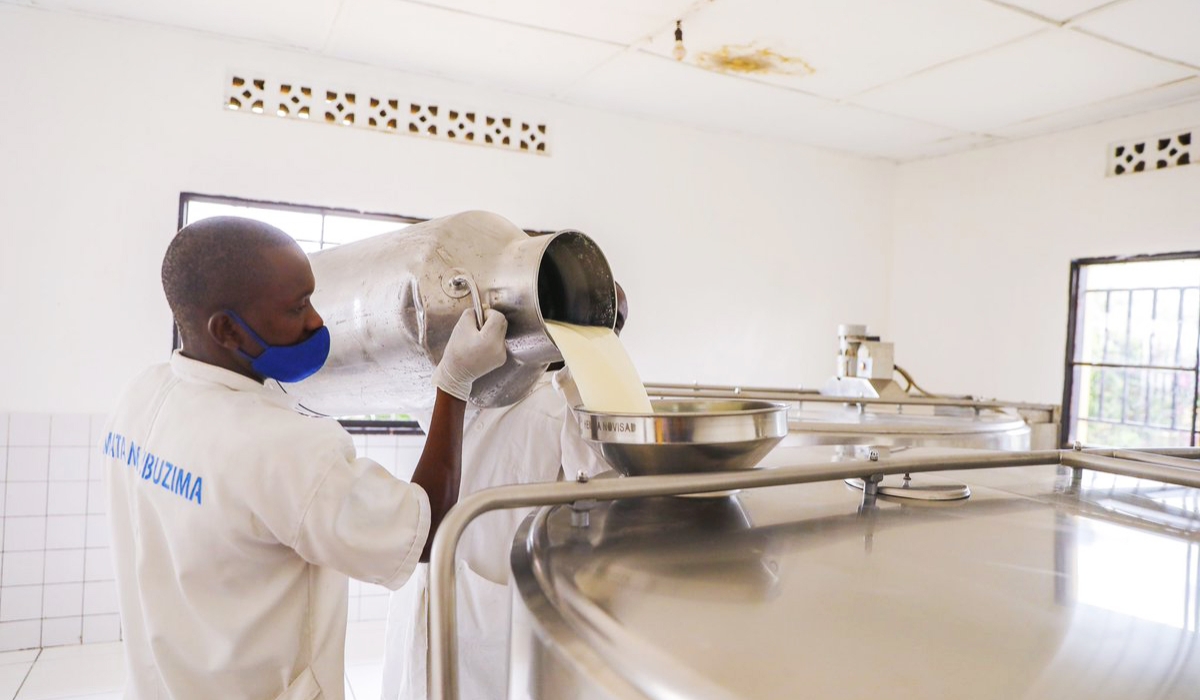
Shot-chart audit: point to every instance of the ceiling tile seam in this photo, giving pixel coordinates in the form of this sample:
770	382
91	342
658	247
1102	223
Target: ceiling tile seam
333	25
1144	52
1100	103
1095	10
1029	13
719	130
947	62
687	14
511	23
957	131
574	83
635	45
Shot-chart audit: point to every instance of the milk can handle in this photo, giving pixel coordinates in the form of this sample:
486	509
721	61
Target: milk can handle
460	281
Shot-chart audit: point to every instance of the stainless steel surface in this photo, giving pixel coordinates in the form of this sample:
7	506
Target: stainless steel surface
809	395
686	436
391	301
577	652
1045	584
954	414
835	425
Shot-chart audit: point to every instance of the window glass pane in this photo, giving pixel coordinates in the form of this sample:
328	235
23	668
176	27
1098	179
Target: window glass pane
1165	329
1133	314
345	229
301	225
1190	328
1116	326
1146	274
1092	314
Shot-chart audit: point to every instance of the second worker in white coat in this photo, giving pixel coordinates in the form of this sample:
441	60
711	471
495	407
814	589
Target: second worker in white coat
534	440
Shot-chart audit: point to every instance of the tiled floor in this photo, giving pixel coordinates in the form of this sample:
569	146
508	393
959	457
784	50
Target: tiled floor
96	671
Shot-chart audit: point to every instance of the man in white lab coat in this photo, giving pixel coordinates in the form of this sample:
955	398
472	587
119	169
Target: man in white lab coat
236	520
534	440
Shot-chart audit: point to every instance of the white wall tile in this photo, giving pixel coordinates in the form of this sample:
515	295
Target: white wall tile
62	631
97	531
406	461
375	589
8	658
3	497
20	635
29	429
64	566
25	534
69	463
95	465
20	603
28	463
373	607
100	597
66	532
352	610
64	600
3	429
22	568
98	422
3	462
385	456
99	565
355	587
97	501
101	628
67	498
70	429
28	498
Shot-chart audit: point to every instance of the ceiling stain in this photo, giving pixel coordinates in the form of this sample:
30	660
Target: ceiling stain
748	60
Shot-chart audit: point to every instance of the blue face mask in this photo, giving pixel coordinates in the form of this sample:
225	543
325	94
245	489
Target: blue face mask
287	363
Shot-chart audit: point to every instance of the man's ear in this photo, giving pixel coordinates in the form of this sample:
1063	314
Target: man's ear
227	333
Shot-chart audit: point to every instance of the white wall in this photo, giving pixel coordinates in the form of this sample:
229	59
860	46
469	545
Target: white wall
728	246
983	242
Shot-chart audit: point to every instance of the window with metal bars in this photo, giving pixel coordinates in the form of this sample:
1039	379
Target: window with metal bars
1132	363
314	228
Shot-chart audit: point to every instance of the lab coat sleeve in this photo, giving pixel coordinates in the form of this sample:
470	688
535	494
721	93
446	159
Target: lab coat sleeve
366	523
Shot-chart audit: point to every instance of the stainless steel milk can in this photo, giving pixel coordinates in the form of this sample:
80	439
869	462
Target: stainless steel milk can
391	301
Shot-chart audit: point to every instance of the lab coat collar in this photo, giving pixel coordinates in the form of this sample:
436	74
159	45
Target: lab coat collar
191	370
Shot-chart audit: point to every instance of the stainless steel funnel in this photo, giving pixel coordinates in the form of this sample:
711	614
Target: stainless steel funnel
686	436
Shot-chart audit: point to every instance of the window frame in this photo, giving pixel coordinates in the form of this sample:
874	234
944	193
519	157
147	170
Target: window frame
358	426
1070	363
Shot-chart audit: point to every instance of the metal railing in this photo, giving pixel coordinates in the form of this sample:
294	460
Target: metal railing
1170	465
710	391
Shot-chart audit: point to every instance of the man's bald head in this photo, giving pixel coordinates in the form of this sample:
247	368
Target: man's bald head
217	263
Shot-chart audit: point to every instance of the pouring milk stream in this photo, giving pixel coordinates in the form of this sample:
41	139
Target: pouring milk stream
605	376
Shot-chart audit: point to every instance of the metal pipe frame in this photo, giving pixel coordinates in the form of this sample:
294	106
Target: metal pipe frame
810	395
1171	467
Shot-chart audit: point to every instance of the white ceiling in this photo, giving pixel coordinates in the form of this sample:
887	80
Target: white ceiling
899	79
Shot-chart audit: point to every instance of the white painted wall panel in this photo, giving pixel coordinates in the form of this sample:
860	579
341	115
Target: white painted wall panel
732	249
984	240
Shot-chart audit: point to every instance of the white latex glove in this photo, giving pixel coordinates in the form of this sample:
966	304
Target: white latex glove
564	384
471	352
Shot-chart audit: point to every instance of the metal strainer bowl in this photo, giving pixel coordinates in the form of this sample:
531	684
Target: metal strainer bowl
685	436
